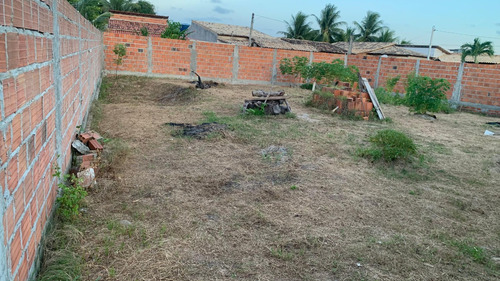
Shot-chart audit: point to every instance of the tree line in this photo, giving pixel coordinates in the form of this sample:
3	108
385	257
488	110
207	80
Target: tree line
332	29
97	11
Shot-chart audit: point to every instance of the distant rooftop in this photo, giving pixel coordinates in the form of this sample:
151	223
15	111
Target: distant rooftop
377	48
231	30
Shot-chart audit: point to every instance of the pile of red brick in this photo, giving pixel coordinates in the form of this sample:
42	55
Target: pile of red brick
347	99
90	158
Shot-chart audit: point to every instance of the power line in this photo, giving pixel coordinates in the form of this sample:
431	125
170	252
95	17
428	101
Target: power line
489	37
282	21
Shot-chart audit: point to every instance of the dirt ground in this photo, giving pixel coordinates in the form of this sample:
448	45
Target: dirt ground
218	209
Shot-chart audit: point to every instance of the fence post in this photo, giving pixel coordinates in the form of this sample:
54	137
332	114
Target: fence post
150	55
236	63
457	88
57	84
193	64
274	73
417	67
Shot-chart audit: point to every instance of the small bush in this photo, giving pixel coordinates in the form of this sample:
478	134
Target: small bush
426	94
71	197
390	145
306	86
387	97
391	83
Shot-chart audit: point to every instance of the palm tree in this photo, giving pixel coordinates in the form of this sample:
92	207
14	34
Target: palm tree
329	24
386	35
345	35
477	48
298	28
405	42
119	5
369	27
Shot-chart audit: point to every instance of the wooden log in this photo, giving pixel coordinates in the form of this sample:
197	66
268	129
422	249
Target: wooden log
261	93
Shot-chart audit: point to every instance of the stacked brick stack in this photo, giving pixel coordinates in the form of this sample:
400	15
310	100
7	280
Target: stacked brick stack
346	99
91	158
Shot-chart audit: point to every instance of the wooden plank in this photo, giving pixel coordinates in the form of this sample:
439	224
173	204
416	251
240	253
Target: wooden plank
264	99
373	97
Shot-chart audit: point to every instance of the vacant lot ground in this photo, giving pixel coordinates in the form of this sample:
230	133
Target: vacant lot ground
218	209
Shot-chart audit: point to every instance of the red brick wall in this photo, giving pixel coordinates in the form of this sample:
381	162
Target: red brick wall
174	58
132	24
44	94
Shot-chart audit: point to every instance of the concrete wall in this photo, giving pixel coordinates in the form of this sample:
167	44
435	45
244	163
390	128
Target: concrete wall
50	68
197	32
476	87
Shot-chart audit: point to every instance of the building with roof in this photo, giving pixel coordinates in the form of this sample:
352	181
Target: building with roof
436	51
484	59
377	49
132	23
223	33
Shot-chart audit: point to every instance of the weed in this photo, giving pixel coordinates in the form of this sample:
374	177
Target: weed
293	187
391	83
111	272
72	194
258	111
389	145
280	253
387	97
290	115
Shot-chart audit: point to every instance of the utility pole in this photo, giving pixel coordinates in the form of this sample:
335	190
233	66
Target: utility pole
430	44
251	28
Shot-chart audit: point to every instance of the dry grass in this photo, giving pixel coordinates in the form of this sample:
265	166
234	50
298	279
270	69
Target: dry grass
215	209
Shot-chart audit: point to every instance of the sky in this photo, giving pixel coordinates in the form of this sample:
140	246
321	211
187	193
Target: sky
456	22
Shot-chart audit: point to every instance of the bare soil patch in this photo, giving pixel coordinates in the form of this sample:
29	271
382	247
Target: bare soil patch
217	208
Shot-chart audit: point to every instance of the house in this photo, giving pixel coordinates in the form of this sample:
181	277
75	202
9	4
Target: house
377	49
223	33
484	59
436	51
132	23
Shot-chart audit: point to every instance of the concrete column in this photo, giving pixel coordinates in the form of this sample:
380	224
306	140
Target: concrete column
457	88
377	74
194	57
150	55
56	56
236	63
274	74
417	67
4	269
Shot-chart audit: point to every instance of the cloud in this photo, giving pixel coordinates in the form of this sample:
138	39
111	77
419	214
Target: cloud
498	32
221	10
216	1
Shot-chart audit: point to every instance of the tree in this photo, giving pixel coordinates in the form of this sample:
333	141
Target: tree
386	35
369	27
405	42
119	5
120	51
143	7
299	28
329	24
93	10
476	49
345	35
173	31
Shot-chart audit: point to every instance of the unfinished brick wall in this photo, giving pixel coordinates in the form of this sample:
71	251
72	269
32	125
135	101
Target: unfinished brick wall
50	67
131	23
478	87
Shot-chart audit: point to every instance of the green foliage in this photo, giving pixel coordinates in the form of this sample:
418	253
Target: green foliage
293	187
71	197
260	111
387	97
426	94
320	71
329	24
306	86
120	51
391	82
173	31
389	145
476	49
144	31
299	28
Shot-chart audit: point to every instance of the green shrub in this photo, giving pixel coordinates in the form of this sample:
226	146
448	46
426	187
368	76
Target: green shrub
173	31
321	71
425	94
387	97
306	86
391	83
72	194
390	145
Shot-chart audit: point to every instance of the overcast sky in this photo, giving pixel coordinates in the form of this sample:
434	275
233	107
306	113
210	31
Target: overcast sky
412	20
